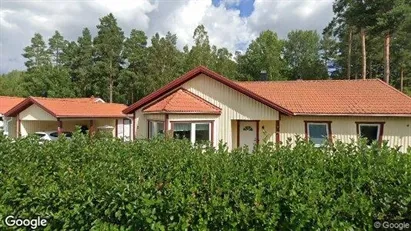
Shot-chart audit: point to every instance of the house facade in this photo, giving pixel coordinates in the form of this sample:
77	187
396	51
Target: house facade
36	114
203	105
7	123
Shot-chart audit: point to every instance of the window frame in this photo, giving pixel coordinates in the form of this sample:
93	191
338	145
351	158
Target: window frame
149	127
193	128
328	129
380	131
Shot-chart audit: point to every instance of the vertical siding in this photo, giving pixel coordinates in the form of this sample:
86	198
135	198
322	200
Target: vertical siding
397	131
34	112
160	117
268	132
234	105
70	125
141	125
31	126
109	122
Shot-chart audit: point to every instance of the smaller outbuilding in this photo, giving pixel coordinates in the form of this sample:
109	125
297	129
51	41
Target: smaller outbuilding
39	114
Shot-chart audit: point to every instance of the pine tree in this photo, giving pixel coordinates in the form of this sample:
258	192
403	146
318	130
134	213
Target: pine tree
201	51
389	16
36	53
133	79
165	62
83	63
108	47
56	46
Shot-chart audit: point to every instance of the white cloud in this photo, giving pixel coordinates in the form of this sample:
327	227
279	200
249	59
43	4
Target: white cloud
19	20
225	27
284	16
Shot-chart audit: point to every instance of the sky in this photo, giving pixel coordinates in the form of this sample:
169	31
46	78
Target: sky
230	23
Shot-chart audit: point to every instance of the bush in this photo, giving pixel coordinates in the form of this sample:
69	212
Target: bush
105	184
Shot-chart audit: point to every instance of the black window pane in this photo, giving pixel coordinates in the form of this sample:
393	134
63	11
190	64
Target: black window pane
317	133
202	132
370	132
160	128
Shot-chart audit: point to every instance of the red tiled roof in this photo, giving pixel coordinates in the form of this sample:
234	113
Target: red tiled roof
192	74
72	107
334	97
183	101
8	102
318	97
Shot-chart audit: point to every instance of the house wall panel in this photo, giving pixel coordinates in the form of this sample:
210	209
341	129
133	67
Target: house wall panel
141	125
267	131
104	122
234	105
160	117
397	131
34	112
70	125
28	127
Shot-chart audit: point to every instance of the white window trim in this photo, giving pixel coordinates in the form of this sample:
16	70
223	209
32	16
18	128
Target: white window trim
326	129
193	126
369	125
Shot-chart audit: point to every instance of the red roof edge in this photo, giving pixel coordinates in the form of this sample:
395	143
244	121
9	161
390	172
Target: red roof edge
186	91
24	105
393	88
193	73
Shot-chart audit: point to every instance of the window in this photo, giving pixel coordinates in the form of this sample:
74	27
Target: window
371	132
202	132
318	133
182	131
195	132
155	128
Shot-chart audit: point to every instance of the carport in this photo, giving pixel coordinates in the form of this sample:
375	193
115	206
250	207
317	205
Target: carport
36	114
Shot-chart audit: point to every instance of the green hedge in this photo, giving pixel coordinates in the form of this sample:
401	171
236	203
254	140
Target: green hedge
105	184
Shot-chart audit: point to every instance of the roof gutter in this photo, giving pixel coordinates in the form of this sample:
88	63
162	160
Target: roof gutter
354	115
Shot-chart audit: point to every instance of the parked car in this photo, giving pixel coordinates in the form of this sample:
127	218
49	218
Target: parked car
52	135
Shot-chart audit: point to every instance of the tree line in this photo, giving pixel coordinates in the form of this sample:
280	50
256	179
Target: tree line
371	39
363	40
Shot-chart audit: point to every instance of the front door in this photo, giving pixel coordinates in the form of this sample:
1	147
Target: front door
248	133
